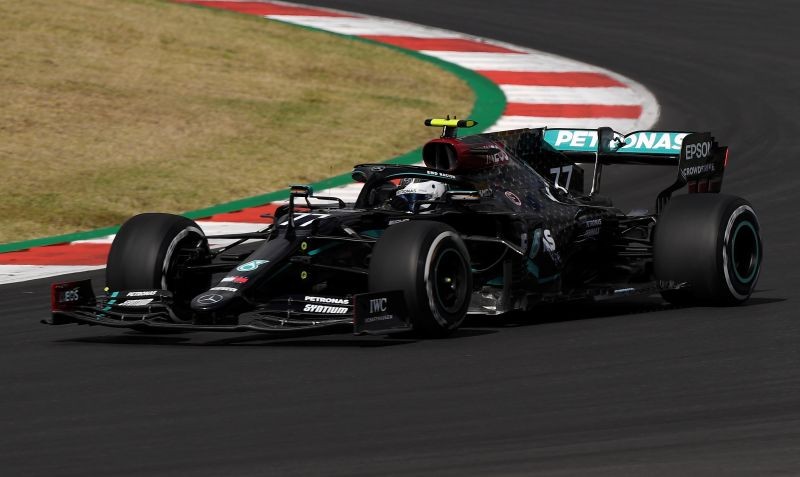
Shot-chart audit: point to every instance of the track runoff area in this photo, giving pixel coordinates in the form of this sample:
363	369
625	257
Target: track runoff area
541	89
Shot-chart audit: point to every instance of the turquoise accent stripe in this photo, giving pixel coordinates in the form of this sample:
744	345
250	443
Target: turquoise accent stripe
323	248
373	233
533	269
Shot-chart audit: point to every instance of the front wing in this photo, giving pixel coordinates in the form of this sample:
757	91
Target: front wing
153	310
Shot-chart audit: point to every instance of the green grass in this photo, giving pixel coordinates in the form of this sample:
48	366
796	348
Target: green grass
110	108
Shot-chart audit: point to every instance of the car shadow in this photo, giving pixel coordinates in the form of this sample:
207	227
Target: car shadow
261	339
588	310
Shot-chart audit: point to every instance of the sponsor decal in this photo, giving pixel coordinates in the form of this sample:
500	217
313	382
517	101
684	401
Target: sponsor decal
380	313
227	289
653	142
378	305
141	293
209	299
543	238
373	319
575	139
513	198
624	290
325	299
700	150
548	242
332	310
392	222
499	158
593	223
140	302
251	265
235	279
694	170
440	174
663	142
71	295
592	227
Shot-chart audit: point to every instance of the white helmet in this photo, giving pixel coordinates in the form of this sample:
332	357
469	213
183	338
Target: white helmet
417	190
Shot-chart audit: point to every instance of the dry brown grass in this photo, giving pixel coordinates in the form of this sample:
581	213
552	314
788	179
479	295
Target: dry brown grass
109	108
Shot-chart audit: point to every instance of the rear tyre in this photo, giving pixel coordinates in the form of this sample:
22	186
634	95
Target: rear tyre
147	253
429	262
712	242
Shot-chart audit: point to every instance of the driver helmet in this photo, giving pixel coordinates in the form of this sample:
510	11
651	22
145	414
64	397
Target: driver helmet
418	189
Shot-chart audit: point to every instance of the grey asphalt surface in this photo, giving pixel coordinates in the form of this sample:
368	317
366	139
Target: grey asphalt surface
634	388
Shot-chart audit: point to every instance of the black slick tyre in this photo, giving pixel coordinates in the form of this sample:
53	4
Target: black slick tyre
712	243
147	251
429	262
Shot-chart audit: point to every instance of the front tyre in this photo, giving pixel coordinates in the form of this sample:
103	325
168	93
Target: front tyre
712	242
429	262
149	251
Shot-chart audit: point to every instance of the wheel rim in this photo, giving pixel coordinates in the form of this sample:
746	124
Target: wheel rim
450	281
745	251
183	288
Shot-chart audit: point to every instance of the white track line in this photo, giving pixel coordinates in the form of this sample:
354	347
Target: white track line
366	26
209	228
568	95
519	122
529	62
21	273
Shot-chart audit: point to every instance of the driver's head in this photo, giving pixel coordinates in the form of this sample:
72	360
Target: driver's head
418	189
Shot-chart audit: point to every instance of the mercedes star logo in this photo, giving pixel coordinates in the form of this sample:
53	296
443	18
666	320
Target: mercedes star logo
209	299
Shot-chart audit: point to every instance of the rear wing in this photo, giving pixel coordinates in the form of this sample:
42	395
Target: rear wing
700	160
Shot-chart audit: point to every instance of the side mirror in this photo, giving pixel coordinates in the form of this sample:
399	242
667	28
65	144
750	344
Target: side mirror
301	191
606	142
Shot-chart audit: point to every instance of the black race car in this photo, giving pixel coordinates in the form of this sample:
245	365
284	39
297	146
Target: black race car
494	222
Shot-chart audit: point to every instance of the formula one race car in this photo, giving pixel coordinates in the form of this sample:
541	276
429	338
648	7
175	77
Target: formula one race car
494	222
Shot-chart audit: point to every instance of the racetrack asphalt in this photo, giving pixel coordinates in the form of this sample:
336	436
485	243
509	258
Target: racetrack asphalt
633	388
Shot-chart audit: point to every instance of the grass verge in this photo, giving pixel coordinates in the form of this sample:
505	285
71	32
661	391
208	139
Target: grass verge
112	108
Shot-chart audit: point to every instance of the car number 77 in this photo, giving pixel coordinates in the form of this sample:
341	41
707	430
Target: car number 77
557	171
